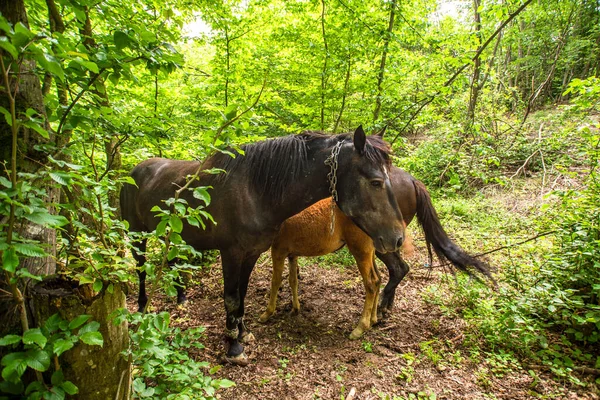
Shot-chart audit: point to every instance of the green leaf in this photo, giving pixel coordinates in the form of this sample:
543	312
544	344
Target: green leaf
70	388
231	112
201	193
15	365
161	227
78	321
4	25
173	252
23	273
10	339
52	323
36	127
11	387
22	29
37	359
62	345
8	118
121	39
92	326
97	286
89	65
35	336
64	178
222	383
30	250
51	64
8	46
176	223
44	218
193	221
57	378
92	338
10	261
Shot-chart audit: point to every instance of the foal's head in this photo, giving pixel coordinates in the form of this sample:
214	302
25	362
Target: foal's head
364	190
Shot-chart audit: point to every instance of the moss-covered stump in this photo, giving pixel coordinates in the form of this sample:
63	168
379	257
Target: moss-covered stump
98	372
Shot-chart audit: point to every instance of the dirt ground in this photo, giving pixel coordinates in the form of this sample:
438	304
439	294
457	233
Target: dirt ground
417	353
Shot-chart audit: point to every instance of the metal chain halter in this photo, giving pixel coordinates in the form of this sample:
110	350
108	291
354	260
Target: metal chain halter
332	161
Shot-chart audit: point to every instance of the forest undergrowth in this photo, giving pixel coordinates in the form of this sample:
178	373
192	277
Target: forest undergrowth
538	224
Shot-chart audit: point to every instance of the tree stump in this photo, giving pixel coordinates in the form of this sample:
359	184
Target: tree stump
98	372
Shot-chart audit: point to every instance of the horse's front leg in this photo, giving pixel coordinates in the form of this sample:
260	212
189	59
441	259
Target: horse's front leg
236	274
232	264
245	336
397	268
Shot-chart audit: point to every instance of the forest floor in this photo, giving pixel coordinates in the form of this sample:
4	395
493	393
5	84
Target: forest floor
419	352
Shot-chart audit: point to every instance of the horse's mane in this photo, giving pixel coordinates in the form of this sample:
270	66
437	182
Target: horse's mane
273	164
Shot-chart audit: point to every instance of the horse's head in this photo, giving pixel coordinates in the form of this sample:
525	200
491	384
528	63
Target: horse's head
364	190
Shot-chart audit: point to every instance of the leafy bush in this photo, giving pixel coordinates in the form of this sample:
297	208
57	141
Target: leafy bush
162	365
548	309
37	348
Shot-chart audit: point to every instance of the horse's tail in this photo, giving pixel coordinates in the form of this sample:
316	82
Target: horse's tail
436	237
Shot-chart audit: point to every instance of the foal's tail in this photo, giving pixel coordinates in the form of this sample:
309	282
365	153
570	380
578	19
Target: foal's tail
436	237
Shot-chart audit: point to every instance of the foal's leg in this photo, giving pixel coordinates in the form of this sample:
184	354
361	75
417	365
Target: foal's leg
278	261
293	278
364	260
377	284
398	268
140	259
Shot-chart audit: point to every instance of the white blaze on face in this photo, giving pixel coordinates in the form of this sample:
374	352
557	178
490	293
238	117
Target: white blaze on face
385	172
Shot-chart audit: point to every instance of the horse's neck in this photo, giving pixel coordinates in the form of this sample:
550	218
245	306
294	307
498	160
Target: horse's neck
309	188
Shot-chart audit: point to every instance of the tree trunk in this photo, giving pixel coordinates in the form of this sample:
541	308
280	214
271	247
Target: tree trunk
474	92
99	372
25	88
386	45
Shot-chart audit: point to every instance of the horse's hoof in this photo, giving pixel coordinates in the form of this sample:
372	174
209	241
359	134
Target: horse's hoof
182	302
356	334
294	312
241	360
264	317
248	338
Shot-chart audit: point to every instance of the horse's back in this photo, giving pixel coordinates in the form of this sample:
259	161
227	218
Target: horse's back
155	180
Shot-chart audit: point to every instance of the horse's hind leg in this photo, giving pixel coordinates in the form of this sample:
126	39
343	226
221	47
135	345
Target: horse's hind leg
140	258
398	268
293	278
278	261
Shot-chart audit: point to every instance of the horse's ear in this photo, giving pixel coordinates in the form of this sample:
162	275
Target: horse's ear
381	132
360	140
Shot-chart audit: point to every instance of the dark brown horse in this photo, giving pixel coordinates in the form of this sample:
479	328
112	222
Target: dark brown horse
308	234
274	180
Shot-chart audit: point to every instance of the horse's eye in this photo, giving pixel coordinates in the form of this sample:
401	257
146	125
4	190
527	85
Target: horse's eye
377	184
